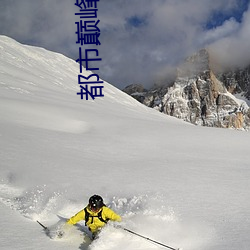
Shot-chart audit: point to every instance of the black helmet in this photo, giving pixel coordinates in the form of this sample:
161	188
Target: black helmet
96	202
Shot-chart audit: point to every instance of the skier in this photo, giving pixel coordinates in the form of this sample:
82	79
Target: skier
95	214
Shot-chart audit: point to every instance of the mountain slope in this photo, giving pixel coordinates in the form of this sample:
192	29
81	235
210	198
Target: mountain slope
182	185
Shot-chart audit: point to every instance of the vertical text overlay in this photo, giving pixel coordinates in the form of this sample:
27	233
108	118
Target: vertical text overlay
88	33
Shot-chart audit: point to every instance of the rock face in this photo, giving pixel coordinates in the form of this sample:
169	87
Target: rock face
137	91
237	81
201	97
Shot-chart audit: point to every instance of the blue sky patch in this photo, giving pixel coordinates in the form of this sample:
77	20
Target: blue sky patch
136	21
219	17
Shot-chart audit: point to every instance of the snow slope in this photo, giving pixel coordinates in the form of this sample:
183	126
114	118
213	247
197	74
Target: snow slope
176	183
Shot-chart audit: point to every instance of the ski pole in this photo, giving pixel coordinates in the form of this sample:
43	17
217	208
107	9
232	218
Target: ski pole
146	238
45	228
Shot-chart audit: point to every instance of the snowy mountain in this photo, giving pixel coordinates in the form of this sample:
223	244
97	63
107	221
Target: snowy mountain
182	185
201	96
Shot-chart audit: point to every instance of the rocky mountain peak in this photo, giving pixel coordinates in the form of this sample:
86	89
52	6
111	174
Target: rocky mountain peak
202	97
196	64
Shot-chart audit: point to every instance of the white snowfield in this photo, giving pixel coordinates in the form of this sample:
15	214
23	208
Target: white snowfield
185	186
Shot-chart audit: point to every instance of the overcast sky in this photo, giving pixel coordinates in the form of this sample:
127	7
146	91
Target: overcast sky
141	40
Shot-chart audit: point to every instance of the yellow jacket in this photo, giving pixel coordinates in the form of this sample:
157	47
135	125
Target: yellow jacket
94	223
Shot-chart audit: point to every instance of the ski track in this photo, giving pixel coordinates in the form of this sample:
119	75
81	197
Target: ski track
144	214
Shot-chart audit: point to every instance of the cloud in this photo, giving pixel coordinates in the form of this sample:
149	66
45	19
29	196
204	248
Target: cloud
228	28
170	31
141	41
233	49
47	23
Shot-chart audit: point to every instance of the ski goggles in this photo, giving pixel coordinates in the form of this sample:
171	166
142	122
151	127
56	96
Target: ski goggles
94	208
